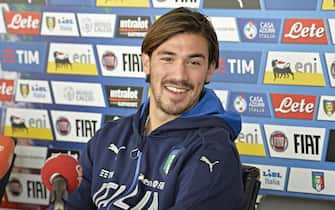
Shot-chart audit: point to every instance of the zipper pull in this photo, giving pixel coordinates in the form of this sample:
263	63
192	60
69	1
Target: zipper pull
135	153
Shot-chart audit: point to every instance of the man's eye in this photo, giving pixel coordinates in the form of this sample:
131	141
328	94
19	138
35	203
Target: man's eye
195	63
166	59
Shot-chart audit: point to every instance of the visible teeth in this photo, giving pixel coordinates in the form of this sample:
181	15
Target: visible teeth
177	90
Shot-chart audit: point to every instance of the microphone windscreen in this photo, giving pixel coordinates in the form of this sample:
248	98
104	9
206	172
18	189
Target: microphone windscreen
66	166
7	147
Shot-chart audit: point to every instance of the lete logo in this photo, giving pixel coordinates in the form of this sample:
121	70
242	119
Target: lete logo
6	89
23	22
306	31
293	106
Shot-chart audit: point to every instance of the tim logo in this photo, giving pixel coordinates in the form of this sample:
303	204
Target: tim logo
318	180
23	56
304	31
23	22
293	106
240	66
19	56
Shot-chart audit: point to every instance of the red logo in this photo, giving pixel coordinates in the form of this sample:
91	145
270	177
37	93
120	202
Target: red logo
8	56
23	22
293	106
306	31
6	90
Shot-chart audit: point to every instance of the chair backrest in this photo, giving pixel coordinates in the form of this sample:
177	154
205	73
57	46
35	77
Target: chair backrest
251	182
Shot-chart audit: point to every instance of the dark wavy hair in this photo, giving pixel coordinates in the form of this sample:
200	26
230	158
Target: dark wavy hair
182	20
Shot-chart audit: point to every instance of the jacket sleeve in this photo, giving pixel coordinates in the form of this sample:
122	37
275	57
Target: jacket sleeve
211	179
81	197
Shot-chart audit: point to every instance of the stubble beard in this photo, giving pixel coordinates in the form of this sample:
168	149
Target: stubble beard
171	108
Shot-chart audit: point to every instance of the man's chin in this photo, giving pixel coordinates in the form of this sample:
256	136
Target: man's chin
174	110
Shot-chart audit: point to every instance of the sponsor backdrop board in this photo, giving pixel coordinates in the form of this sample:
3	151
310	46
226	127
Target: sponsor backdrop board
69	66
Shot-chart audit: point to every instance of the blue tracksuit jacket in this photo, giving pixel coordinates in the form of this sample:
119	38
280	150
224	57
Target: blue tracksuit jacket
188	163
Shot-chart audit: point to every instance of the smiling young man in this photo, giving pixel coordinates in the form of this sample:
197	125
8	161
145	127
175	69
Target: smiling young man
178	69
177	152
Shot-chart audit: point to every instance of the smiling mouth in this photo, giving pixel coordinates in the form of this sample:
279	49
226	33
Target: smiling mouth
176	89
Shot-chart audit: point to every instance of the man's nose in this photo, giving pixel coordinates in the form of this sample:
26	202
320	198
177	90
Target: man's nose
180	73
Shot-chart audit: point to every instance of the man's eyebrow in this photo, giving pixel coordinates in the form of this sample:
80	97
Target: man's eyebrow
165	52
195	55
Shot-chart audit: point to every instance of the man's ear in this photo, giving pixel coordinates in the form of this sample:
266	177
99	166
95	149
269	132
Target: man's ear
210	71
146	63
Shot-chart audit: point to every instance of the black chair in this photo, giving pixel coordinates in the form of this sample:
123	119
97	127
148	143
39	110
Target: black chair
252	184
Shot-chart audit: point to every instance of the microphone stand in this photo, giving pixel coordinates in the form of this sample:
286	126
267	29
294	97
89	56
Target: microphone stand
59	193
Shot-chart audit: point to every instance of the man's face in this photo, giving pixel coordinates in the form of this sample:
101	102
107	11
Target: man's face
178	69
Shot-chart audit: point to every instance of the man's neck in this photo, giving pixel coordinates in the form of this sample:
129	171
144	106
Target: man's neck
156	118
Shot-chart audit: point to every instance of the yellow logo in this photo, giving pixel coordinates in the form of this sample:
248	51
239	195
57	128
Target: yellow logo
68	58
300	78
328	5
51	22
122	3
75	69
24	90
250	149
294	68
27	123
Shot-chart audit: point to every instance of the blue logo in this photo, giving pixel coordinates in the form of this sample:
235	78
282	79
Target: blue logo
241	67
259	30
249	104
23	56
291	5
